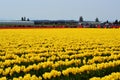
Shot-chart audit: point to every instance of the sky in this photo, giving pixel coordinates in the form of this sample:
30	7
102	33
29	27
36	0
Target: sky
60	9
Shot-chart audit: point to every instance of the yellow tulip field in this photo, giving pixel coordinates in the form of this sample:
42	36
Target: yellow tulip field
60	54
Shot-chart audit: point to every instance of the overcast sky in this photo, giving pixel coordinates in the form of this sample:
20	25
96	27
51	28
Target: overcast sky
60	9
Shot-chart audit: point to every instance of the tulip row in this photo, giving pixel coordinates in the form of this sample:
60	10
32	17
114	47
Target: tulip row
112	76
84	69
39	66
26	77
32	57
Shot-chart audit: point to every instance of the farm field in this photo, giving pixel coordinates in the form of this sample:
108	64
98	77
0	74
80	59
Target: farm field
60	54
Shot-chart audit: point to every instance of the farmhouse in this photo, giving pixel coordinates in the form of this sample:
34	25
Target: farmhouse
91	24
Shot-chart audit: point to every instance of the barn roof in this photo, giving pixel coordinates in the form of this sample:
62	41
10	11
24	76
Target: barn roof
17	22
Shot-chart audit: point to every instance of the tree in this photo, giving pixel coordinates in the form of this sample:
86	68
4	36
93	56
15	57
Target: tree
96	20
119	22
107	21
116	22
28	19
81	19
22	19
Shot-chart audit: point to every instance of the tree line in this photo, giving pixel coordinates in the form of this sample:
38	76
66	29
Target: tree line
116	22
